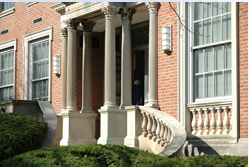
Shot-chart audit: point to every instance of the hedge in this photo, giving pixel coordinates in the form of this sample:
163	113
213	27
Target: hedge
113	155
20	133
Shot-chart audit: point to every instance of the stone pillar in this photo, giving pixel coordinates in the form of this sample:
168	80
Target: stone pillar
71	66
87	67
77	128
64	69
113	120
153	47
126	16
110	59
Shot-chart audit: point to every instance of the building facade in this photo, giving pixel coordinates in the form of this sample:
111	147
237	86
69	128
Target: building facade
83	57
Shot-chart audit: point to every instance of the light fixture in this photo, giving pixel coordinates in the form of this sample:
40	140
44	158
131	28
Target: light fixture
166	39
56	59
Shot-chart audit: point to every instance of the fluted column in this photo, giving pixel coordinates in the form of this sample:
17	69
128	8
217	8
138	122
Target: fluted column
87	67
126	16
71	67
110	59
153	65
64	69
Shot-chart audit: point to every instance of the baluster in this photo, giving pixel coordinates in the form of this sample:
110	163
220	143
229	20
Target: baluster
144	124
226	121
149	125
165	134
200	122
169	134
158	130
153	130
162	132
194	122
206	122
219	122
213	121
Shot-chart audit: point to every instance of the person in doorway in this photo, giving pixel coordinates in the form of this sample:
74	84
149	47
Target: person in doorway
137	93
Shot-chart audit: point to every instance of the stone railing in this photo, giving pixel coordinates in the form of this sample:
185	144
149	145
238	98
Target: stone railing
154	131
211	118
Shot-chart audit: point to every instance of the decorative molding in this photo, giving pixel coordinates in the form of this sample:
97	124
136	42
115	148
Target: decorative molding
63	32
59	7
127	13
7	12
31	3
88	25
109	12
71	24
152	6
8	44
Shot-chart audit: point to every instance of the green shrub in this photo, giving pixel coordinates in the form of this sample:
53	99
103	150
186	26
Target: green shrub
20	133
113	155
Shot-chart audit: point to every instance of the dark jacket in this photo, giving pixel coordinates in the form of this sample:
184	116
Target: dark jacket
137	95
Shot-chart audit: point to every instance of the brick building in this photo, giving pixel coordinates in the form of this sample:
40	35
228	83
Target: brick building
84	57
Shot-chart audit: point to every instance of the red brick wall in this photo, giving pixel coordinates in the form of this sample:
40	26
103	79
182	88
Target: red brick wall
167	64
243	68
19	24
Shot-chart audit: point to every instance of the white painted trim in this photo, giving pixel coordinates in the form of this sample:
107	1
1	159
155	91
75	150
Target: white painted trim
30	3
235	81
5	45
7	12
26	39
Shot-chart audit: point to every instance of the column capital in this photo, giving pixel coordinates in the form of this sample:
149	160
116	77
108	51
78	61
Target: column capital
152	6
63	32
127	13
109	12
71	24
88	25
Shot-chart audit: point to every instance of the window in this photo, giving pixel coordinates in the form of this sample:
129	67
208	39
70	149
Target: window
6	5
211	56
6	74
39	69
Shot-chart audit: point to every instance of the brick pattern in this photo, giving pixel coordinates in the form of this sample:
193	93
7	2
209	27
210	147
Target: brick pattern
243	69
167	64
19	24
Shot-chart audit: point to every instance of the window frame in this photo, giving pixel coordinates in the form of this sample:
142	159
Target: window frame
7	12
11	45
191	87
27	40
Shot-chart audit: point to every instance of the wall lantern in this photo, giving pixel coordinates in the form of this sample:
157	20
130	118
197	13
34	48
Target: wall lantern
166	39
56	59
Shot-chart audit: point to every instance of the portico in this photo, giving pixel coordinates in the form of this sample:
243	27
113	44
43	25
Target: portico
103	17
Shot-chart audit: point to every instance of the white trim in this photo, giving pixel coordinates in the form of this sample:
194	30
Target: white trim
235	55
7	12
5	45
30	3
26	39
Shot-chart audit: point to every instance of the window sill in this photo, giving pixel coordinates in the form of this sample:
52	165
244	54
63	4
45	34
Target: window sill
7	12
30	3
210	104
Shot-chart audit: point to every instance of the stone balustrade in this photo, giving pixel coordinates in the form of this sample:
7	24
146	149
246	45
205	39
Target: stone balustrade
211	118
153	130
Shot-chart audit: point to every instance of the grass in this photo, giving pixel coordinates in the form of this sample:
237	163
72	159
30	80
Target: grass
113	155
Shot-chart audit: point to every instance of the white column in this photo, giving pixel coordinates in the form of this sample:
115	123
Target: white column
153	65
87	67
64	69
126	16
110	59
71	67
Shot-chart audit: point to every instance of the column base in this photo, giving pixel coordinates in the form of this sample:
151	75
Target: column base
87	110
78	128
152	104
113	127
70	109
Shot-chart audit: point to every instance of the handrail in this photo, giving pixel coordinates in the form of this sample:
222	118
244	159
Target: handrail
164	130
